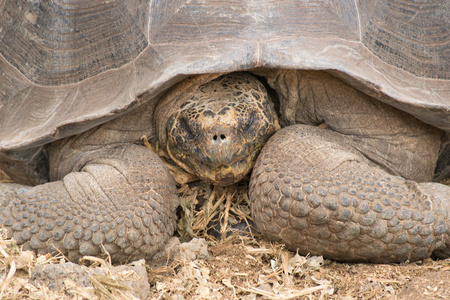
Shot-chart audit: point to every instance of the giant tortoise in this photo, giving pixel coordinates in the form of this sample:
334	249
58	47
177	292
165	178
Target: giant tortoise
210	81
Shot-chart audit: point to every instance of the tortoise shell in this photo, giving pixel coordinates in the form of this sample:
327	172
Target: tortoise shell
67	66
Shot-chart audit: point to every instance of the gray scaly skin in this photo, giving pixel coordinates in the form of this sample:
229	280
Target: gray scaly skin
335	192
105	191
332	192
331	202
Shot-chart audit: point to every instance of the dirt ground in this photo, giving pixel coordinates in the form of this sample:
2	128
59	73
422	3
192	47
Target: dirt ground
248	270
240	266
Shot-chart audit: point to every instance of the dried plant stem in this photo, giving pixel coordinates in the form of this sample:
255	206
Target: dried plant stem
223	229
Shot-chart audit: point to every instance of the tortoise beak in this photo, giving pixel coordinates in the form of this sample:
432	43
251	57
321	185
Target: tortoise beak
224	175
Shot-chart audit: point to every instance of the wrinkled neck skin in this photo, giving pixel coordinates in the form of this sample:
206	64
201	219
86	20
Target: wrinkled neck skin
215	126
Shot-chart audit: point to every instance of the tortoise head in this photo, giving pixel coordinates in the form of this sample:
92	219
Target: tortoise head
219	130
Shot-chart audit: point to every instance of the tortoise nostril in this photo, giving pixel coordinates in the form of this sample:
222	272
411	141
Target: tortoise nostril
222	137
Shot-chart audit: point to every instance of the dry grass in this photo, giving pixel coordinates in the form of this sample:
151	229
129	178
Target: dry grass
4	178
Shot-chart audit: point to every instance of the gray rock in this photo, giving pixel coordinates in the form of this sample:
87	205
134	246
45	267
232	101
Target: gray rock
57	277
195	249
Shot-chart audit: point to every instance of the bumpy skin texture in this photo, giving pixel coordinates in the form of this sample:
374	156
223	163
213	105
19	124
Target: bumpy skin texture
127	203
106	192
322	199
217	133
332	192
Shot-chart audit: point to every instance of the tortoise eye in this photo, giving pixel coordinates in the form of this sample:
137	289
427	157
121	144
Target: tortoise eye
186	128
250	122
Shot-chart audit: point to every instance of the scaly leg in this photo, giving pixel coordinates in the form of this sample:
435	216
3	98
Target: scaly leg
126	204
310	190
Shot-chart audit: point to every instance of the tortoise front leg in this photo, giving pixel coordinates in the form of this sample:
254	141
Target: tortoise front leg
310	190
125	204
